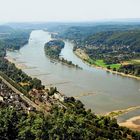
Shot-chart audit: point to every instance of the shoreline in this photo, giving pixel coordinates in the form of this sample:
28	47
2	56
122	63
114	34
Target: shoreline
79	55
131	123
18	65
65	62
117	113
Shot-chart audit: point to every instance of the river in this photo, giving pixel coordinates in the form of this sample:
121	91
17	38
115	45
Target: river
97	89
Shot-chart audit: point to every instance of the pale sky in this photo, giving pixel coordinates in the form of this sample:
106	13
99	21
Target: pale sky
67	10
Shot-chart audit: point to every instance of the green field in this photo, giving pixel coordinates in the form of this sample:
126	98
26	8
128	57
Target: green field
101	63
117	66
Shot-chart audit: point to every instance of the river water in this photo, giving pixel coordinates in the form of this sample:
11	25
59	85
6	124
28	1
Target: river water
97	89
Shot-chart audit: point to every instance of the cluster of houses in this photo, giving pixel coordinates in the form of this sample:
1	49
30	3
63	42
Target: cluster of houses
9	98
45	97
48	96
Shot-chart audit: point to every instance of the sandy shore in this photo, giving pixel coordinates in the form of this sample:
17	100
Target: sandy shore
79	53
18	65
132	123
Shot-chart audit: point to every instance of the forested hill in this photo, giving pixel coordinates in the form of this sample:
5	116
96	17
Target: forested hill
130	39
13	38
118	39
5	29
17	39
82	32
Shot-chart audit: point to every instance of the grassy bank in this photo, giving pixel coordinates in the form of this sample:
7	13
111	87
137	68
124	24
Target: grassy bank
101	63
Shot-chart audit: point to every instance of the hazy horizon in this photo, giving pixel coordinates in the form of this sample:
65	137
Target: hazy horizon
68	10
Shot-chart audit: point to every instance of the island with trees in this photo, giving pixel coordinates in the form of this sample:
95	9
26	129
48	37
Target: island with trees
53	49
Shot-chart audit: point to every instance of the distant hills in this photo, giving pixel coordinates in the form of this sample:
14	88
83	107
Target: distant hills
5	29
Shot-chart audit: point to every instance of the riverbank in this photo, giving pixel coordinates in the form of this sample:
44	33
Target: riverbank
12	60
80	53
133	123
18	65
68	63
117	113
